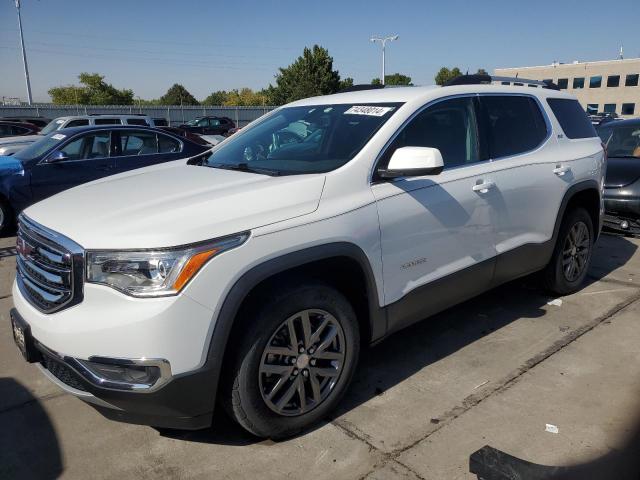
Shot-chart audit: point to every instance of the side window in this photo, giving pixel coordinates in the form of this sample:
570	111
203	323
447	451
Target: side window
214	122
168	144
572	119
18	130
203	122
94	145
77	123
107	121
515	124
138	143
450	126
5	129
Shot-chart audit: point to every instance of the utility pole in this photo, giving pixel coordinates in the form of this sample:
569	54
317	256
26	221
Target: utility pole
383	42
24	55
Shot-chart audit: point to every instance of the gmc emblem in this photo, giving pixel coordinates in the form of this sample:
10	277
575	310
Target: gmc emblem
23	247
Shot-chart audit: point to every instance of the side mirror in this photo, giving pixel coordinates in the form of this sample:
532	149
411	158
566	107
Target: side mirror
413	162
57	156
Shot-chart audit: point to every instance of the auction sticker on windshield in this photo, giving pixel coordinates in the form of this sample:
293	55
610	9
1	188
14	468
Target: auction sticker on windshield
368	110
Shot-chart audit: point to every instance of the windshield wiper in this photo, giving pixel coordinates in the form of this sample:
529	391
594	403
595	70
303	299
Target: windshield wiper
244	167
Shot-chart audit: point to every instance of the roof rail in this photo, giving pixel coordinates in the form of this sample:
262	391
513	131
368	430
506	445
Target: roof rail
476	79
362	86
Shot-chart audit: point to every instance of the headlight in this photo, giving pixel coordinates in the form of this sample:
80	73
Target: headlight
155	273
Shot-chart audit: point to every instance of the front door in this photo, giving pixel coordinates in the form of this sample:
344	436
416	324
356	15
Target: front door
438	242
88	157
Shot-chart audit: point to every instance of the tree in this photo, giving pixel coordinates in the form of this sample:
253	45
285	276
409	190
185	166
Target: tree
93	90
216	98
346	83
394	79
245	97
444	75
178	95
310	75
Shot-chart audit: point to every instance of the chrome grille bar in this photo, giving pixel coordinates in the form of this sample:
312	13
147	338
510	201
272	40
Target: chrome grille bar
49	267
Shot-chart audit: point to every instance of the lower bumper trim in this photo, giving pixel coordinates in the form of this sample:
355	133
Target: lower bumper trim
181	423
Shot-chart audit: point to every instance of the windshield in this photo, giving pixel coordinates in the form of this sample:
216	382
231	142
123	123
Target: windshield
296	140
193	122
52	126
37	149
622	141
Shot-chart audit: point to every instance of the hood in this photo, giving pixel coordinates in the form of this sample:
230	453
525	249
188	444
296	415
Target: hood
10	165
174	204
20	139
622	172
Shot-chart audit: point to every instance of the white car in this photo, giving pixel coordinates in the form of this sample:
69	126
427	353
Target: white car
11	145
255	275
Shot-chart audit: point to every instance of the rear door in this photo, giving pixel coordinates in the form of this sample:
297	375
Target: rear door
88	158
528	193
141	148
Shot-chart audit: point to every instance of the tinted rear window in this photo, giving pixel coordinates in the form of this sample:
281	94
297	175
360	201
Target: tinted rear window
107	121
516	124
572	119
137	121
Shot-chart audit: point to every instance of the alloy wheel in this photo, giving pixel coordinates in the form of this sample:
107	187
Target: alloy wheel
575	252
302	362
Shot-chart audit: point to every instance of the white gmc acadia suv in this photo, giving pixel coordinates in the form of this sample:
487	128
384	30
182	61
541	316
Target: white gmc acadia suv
254	274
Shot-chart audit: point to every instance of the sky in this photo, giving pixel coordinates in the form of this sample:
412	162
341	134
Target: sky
148	45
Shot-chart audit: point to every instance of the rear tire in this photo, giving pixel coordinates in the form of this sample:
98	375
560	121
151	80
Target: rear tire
297	350
571	258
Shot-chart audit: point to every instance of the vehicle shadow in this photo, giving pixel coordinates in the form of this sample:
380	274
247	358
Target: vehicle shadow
410	350
29	446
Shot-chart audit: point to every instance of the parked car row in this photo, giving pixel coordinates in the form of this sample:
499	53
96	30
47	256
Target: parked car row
65	158
16	138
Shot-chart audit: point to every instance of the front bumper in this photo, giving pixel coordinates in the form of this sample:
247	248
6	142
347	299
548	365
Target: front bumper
184	401
622	214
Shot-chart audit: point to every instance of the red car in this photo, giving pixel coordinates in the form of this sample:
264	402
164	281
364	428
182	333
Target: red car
14	129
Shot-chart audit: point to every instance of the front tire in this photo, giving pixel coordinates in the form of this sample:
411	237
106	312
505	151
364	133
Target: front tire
6	217
571	258
296	357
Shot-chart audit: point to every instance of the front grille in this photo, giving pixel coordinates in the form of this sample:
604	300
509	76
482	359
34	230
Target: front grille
49	267
62	372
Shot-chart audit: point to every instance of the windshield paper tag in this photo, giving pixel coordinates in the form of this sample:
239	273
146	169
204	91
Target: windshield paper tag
59	136
371	111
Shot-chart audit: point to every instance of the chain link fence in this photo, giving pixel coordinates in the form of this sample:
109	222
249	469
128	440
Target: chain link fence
174	114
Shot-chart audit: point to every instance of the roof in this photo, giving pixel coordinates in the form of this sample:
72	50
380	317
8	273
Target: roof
102	115
420	94
618	122
74	130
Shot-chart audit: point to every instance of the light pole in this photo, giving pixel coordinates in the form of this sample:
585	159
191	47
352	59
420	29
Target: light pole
383	42
24	55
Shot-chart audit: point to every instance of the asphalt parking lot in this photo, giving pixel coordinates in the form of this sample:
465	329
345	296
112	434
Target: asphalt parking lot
493	371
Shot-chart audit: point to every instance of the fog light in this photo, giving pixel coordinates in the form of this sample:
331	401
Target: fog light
124	374
624	224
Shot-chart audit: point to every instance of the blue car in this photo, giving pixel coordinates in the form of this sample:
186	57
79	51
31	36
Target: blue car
70	157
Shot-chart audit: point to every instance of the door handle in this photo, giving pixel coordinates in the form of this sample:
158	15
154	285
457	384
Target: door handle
561	170
483	187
